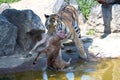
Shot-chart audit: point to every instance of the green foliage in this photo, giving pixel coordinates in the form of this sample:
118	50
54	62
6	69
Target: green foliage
85	6
91	32
66	1
8	1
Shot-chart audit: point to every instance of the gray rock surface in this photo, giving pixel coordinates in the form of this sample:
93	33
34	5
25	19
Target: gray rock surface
106	48
95	20
8	36
29	26
4	6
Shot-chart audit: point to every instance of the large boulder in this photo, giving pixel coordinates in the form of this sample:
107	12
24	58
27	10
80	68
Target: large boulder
95	20
8	36
29	26
4	6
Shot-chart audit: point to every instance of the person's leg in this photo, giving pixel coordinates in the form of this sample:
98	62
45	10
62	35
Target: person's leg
107	17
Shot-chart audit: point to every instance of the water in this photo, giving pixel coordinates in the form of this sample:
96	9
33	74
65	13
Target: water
104	69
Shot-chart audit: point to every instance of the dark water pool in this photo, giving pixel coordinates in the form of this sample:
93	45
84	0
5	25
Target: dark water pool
105	69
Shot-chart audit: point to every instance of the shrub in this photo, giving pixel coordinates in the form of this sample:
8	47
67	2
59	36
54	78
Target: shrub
8	1
85	6
91	32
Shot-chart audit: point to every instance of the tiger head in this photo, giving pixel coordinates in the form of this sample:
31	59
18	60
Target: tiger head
51	23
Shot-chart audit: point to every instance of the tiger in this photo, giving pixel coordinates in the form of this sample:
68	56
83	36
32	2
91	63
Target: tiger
66	20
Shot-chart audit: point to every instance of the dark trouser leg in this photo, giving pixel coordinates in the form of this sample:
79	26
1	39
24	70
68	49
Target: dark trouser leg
107	17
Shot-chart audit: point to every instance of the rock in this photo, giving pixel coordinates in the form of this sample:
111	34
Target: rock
115	23
95	20
29	26
108	47
4	6
39	8
59	4
8	36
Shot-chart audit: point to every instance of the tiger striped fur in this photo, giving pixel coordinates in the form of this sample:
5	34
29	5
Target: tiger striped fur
67	21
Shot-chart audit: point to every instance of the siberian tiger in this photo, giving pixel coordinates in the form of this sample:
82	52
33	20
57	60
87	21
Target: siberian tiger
67	21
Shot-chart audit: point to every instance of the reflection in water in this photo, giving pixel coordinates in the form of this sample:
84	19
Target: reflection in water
70	75
89	70
45	76
87	77
107	69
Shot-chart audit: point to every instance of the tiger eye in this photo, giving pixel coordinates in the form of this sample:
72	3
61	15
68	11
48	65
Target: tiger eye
52	20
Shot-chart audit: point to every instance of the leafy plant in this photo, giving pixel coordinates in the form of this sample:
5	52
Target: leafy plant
91	32
8	1
85	6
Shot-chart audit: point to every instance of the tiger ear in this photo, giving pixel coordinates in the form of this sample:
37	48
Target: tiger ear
46	16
